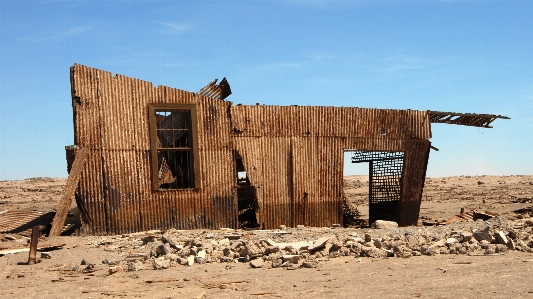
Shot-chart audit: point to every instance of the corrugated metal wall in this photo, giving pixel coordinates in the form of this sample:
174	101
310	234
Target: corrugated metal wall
111	120
294	156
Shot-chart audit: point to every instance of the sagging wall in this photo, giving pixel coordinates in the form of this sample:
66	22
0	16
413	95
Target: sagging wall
111	120
294	157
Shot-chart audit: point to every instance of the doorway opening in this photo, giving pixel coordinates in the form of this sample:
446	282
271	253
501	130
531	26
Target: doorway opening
384	182
246	196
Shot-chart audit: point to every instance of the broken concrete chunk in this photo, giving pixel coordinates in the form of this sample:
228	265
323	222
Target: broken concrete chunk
451	241
466	236
310	264
318	244
382	224
160	263
223	242
510	244
149	239
373	252
257	263
501	238
482	235
291	258
190	260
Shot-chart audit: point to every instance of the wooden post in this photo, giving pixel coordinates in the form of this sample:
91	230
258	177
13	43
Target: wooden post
68	193
35	233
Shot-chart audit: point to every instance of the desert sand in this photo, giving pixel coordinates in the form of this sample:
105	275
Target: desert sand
461	260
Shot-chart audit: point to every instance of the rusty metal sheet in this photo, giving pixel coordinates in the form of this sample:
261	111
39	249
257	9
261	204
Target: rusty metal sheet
220	91
465	119
279	121
22	222
413	178
111	120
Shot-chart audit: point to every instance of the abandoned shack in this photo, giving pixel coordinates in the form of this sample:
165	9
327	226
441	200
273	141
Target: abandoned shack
160	157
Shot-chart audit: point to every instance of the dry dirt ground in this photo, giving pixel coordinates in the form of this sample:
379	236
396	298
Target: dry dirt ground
484	270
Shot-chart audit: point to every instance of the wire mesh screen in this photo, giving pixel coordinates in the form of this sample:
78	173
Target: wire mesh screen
385	176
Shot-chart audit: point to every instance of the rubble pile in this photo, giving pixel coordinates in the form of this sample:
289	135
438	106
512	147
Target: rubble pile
306	247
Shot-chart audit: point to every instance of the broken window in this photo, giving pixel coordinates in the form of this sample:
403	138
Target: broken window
173	145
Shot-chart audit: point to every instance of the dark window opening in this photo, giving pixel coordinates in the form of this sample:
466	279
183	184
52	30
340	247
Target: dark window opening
172	148
246	196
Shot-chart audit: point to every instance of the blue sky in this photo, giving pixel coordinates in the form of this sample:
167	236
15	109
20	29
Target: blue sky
460	56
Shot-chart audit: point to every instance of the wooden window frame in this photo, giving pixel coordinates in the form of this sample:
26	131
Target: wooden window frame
152	108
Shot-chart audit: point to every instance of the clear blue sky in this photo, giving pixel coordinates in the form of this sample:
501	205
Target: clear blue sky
460	56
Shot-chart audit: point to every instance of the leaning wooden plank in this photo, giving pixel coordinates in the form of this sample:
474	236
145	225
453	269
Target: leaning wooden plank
68	194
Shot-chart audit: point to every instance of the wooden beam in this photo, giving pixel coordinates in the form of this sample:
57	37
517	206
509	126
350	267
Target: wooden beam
68	193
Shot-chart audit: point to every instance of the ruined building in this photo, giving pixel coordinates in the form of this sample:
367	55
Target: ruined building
160	157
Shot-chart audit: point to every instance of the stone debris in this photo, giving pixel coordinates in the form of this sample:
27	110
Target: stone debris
382	224
305	247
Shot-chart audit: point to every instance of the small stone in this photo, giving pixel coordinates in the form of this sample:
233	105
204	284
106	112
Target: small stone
83	262
9	237
46	255
336	225
115	269
133	266
277	263
201	254
257	263
282	227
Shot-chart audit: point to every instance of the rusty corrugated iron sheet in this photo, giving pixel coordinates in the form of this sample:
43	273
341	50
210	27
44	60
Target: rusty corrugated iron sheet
220	91
22	222
465	119
111	120
294	155
329	122
413	179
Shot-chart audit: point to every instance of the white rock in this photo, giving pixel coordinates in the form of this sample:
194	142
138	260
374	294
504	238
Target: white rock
382	224
190	260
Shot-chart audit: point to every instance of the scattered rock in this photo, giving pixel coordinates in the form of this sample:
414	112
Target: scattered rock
115	269
382	224
257	263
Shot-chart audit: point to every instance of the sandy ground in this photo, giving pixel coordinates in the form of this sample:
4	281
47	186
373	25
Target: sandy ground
503	275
